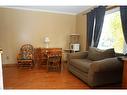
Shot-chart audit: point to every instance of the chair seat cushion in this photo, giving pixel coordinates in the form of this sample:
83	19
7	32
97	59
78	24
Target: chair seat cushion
82	64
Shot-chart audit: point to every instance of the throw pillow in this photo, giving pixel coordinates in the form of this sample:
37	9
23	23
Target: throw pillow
95	54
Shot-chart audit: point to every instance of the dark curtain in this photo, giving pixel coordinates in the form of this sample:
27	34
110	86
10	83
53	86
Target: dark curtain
123	12
90	25
99	19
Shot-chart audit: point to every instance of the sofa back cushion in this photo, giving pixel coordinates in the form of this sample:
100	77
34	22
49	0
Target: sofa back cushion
95	54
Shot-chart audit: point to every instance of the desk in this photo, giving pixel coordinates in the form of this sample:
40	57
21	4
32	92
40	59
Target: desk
40	55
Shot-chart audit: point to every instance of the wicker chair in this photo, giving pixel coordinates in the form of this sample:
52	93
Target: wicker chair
25	57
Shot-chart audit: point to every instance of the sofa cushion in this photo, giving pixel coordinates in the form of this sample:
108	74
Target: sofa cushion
82	64
95	54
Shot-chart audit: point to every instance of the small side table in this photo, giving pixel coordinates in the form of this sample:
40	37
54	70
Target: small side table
66	53
124	81
69	50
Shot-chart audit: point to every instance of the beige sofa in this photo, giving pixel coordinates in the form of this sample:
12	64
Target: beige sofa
96	67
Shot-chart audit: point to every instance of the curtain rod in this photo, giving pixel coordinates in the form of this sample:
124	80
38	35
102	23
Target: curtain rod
111	7
107	8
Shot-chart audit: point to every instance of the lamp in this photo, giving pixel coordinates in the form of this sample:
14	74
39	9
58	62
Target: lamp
46	41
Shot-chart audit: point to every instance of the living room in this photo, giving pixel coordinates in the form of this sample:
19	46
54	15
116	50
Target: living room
33	25
36	24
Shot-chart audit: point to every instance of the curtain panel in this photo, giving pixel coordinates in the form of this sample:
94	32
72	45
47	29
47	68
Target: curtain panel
90	25
99	19
95	20
123	13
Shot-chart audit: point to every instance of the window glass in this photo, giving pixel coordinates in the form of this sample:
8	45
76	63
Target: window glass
112	34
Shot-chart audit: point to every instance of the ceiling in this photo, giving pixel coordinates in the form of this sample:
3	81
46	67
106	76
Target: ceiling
57	9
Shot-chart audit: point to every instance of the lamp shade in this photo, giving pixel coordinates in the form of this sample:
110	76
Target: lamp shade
46	39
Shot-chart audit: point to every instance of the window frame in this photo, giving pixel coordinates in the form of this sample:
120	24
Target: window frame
110	11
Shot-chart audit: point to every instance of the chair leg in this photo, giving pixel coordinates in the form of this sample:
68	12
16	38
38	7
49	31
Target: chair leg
59	67
18	65
31	65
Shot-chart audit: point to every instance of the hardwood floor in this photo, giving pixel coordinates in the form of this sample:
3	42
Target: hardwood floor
39	78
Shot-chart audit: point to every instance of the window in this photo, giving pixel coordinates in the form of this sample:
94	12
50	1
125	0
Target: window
112	34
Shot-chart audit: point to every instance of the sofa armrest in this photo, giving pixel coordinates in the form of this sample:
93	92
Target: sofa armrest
105	71
119	54
78	55
108	64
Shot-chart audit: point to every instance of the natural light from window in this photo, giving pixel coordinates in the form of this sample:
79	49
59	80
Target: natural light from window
112	34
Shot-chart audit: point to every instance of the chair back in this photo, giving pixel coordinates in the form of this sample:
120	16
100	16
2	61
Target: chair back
54	55
26	51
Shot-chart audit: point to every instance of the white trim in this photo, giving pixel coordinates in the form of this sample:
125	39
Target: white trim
1	74
88	10
40	10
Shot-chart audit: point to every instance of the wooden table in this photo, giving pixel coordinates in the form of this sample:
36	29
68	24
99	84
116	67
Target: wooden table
41	57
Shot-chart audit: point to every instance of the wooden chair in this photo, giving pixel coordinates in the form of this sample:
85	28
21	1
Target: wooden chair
54	60
25	57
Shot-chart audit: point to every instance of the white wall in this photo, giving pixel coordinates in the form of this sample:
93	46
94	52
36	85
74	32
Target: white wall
18	27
